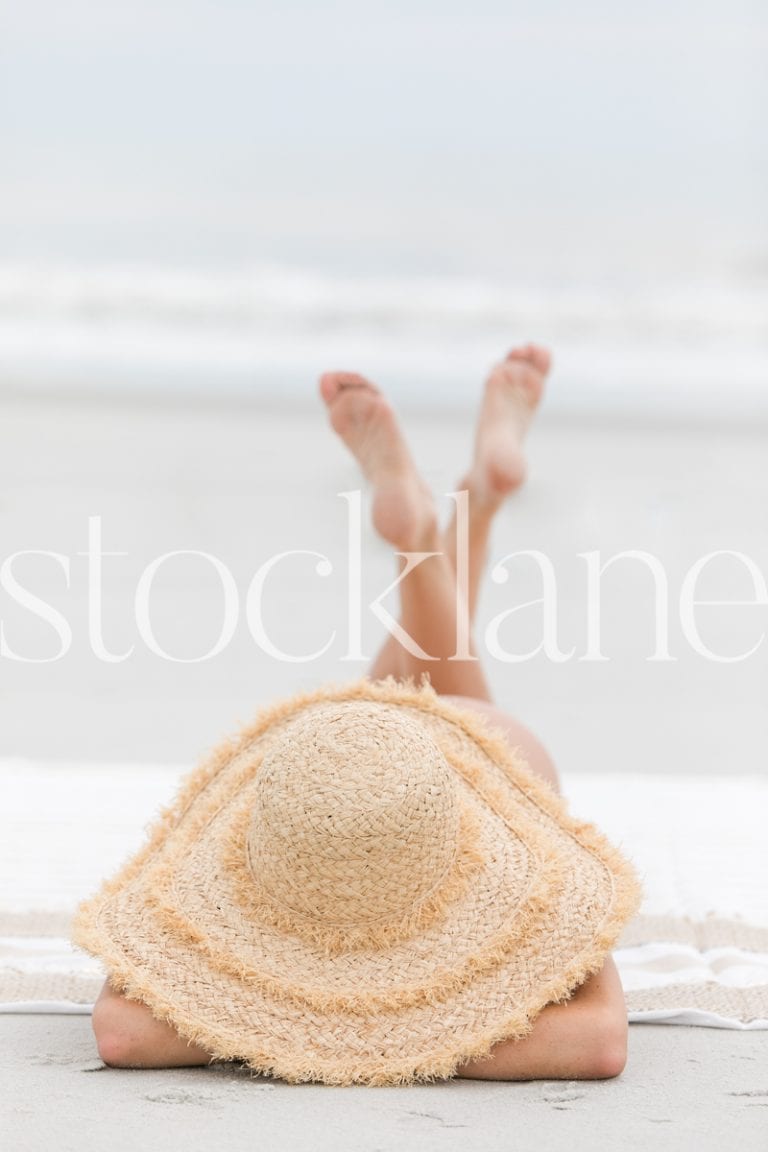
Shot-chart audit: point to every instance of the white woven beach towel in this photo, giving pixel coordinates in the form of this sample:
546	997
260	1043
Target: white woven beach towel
696	954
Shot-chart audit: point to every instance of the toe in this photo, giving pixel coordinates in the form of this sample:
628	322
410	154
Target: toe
540	358
329	386
533	354
519	352
332	383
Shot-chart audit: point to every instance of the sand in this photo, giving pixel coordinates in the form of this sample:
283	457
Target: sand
246	482
684	1090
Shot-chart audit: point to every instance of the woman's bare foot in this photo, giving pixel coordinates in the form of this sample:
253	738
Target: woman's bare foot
403	509
512	393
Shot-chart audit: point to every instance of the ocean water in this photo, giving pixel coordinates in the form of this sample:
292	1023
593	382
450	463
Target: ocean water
266	331
228	199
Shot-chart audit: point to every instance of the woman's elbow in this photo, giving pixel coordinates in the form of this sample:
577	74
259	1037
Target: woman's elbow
114	1050
115	1041
608	1048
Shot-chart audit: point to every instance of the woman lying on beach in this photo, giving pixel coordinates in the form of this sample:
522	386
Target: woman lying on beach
379	884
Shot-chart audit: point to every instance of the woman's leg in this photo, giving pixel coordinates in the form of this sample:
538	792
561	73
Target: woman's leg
435	591
404	515
512	394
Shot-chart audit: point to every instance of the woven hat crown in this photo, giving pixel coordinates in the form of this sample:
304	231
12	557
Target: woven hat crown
356	816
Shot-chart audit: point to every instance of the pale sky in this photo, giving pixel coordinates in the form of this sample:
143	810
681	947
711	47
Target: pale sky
425	134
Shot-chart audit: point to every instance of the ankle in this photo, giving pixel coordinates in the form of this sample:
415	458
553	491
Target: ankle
428	537
483	497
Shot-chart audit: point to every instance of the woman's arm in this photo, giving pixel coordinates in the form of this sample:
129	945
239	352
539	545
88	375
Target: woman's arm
583	1039
129	1036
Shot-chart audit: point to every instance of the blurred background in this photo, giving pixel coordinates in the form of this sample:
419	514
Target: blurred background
224	196
203	205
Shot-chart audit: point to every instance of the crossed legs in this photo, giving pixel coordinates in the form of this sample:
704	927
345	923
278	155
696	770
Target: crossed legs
439	595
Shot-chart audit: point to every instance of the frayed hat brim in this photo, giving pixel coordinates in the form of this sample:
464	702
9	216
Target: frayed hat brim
546	901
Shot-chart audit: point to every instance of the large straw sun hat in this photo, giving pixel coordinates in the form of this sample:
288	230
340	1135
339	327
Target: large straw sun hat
367	886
